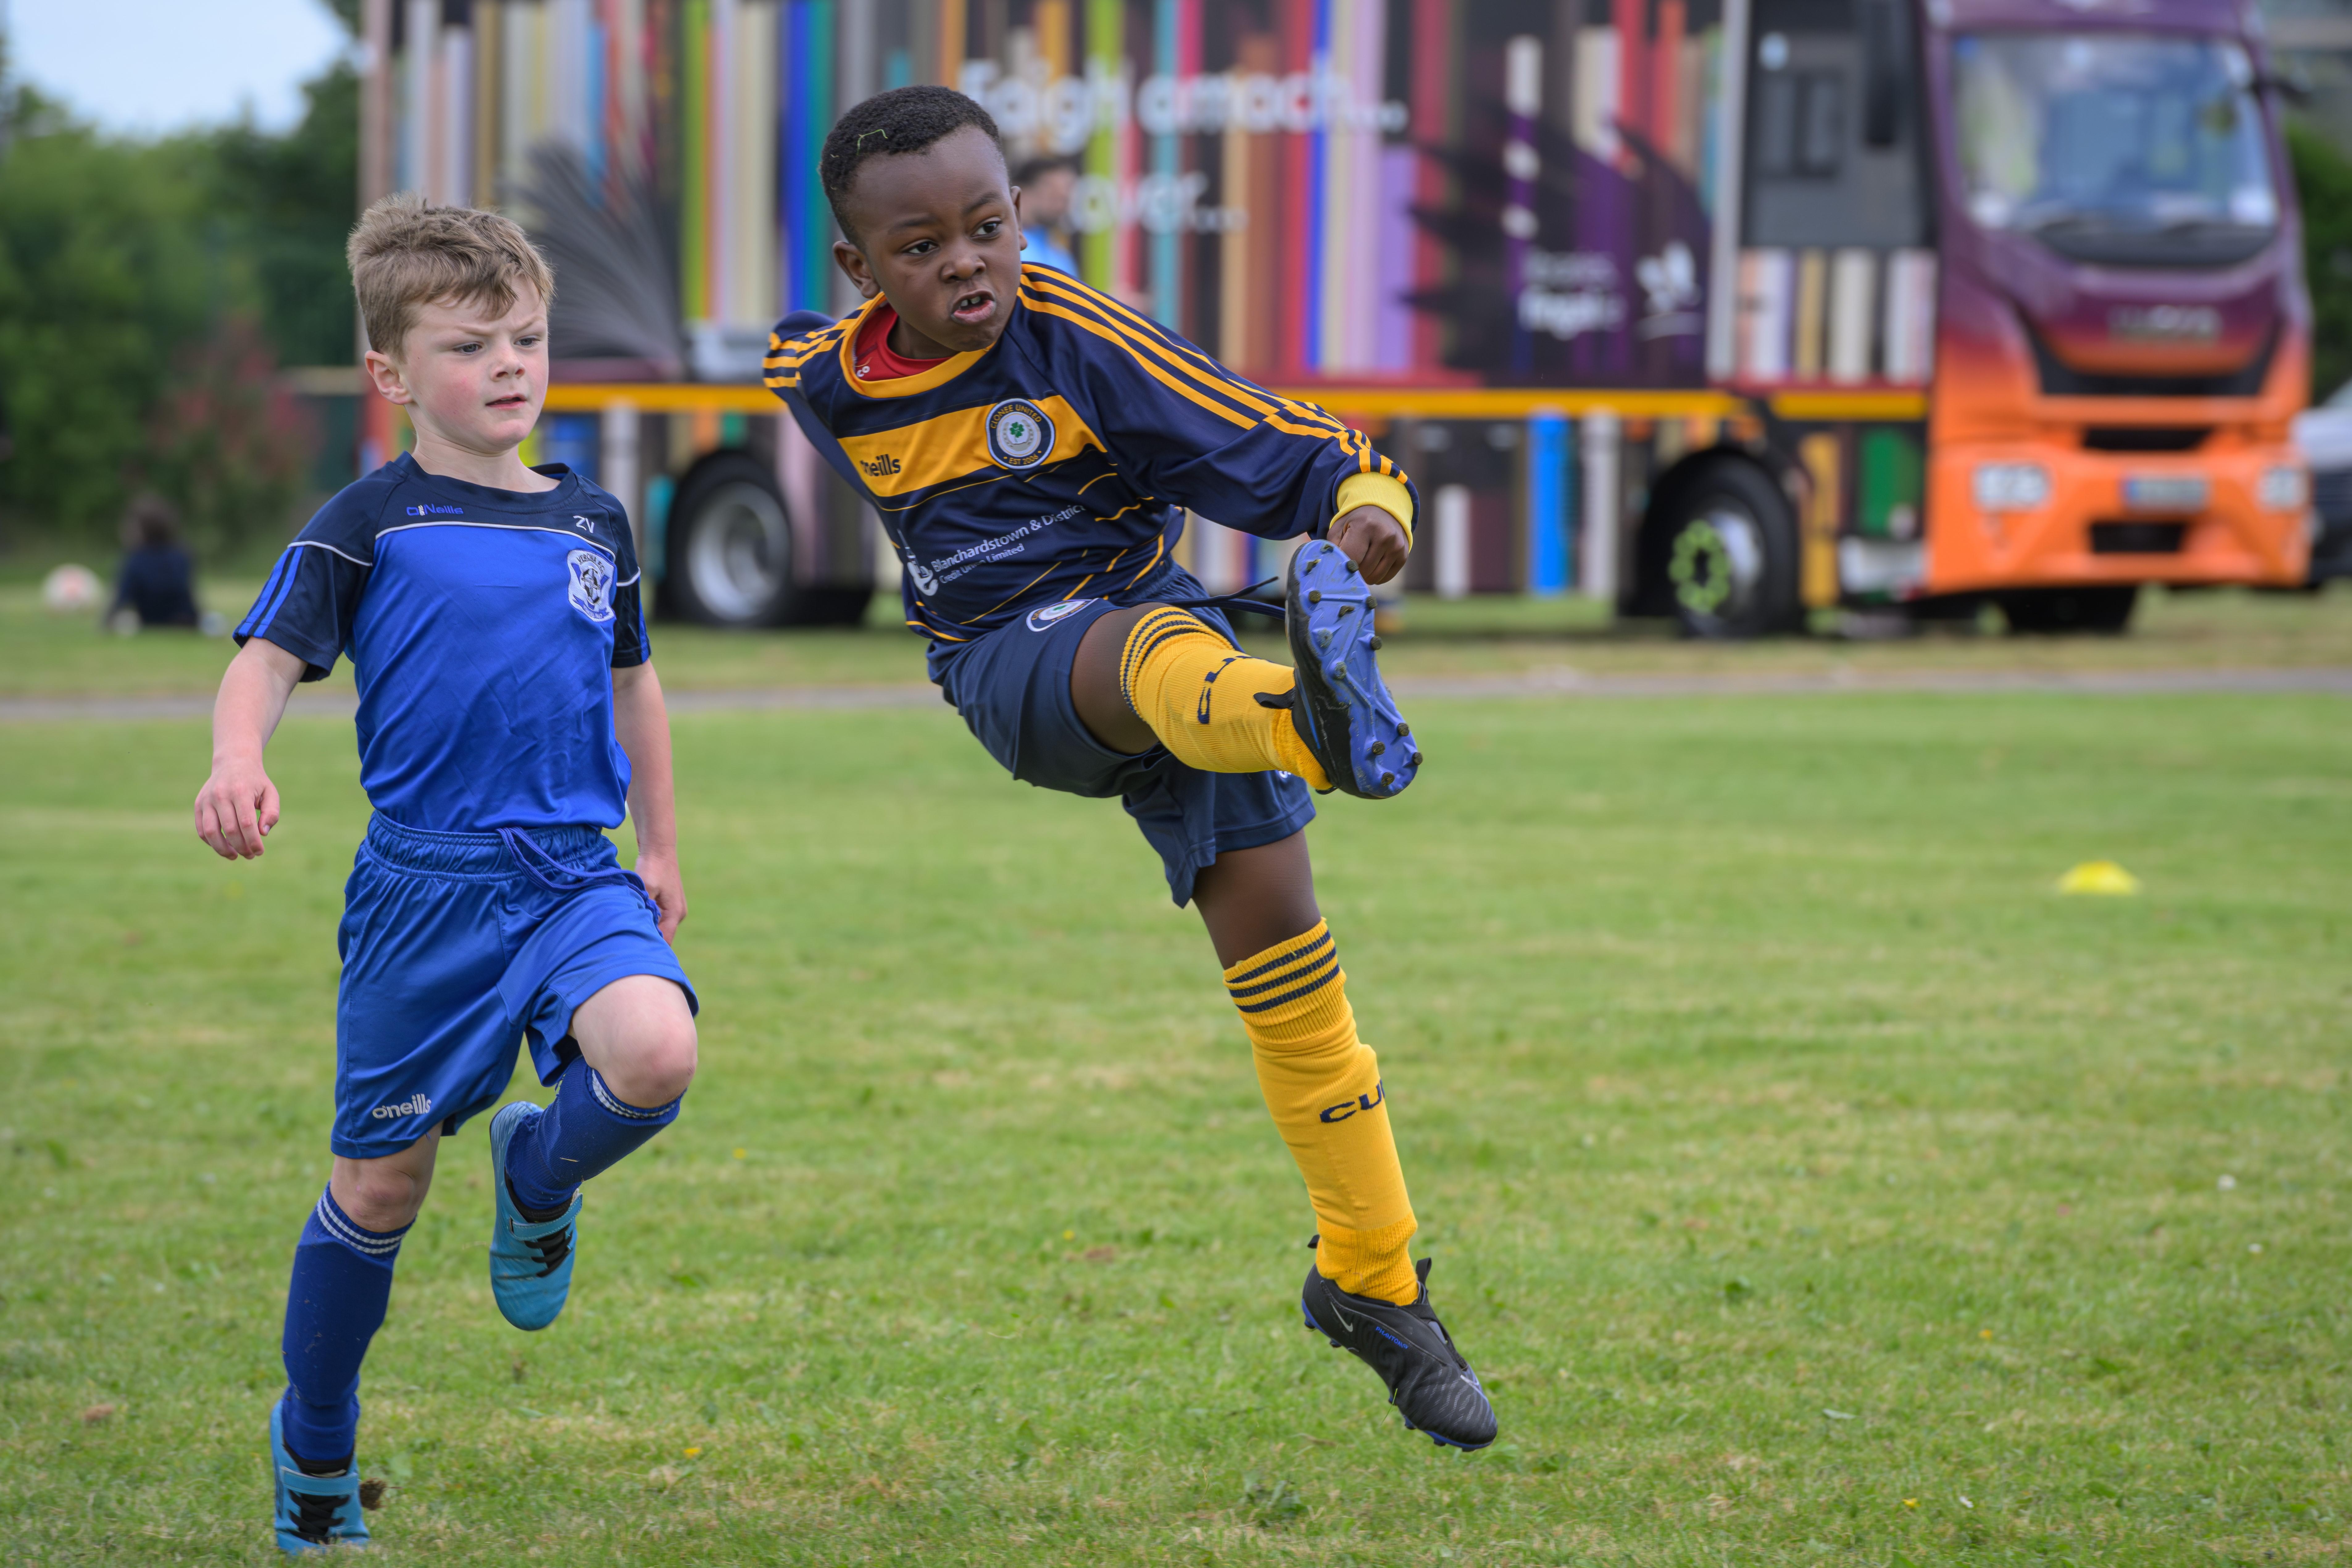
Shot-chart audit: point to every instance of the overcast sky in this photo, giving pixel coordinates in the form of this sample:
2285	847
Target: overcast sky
147	66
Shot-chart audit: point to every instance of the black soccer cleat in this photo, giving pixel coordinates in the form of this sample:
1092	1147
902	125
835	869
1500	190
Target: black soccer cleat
1341	705
1429	1382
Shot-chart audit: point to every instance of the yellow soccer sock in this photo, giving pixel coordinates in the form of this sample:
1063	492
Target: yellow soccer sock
1198	693
1323	1086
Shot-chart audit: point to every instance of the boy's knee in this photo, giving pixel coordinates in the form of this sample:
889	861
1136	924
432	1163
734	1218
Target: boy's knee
378	1198
661	1066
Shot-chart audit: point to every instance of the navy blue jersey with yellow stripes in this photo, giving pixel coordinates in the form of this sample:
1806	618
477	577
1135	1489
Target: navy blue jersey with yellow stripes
1056	463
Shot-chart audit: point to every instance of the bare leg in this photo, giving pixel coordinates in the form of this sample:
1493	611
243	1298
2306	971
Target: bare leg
1094	684
384	1192
638	1033
1251	900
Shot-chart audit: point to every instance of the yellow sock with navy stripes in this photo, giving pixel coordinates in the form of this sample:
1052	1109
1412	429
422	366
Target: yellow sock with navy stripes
1198	693
1323	1086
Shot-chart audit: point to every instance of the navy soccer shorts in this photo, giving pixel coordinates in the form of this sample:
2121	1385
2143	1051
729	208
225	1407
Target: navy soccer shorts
1013	687
459	947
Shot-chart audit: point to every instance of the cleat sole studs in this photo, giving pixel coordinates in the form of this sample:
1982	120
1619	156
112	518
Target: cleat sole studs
1416	759
1379	747
1313	595
1403	730
1374	644
1387	779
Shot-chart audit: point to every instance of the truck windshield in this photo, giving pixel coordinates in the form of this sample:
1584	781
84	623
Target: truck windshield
2129	148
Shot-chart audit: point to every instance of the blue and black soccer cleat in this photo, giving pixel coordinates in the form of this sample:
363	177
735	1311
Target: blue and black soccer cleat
1429	1382
530	1261
1341	706
311	1513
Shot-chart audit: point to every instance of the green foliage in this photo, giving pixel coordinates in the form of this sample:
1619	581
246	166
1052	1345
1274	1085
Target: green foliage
2323	183
107	264
290	201
148	287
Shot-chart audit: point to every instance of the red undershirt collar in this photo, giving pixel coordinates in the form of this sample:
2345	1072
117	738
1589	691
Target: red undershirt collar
873	355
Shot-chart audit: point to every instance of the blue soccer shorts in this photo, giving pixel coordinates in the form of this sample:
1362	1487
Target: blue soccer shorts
458	948
1012	688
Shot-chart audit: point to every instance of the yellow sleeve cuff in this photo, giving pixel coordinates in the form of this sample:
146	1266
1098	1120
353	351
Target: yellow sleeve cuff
1381	491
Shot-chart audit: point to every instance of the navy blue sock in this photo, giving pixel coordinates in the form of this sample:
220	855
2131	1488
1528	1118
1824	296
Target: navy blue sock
587	1129
343	1279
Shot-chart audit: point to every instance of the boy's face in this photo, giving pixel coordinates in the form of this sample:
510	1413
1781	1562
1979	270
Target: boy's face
472	377
937	237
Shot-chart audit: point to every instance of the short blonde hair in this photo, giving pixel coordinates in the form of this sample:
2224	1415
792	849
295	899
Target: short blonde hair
406	253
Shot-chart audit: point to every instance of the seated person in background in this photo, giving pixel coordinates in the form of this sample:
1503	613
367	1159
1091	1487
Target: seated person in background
158	576
1043	187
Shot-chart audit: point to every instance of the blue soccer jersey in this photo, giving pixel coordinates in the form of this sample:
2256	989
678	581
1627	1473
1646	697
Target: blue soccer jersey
483	626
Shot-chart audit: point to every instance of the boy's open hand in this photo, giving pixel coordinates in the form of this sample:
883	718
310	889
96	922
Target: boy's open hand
1374	541
659	873
236	808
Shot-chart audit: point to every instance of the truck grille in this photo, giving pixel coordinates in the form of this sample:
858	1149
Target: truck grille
2138	538
2144	437
2062	380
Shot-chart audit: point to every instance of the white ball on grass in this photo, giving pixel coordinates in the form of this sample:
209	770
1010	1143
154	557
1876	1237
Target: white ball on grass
71	589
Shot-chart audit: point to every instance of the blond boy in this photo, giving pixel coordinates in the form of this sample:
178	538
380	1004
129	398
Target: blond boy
509	714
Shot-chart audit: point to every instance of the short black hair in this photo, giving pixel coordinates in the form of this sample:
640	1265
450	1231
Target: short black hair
1034	168
903	120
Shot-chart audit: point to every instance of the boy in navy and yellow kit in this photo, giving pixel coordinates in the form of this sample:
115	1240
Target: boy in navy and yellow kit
508	715
1031	445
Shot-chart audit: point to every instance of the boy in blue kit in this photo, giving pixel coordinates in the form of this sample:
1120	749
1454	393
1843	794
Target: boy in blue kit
1030	444
509	714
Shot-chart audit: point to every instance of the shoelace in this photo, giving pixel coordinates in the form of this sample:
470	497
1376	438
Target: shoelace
552	1250
316	1515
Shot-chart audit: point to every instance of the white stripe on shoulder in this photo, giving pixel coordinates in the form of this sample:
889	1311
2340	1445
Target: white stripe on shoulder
321	544
503	528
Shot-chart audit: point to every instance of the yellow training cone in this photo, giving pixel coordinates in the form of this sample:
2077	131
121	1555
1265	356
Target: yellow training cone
2099	877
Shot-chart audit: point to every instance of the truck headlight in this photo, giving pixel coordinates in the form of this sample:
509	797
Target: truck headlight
2282	489
2010	486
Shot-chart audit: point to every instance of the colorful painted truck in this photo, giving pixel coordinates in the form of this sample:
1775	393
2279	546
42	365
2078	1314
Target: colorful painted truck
1733	311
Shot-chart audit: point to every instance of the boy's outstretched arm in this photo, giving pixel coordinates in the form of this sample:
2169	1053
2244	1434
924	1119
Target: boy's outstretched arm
641	723
239	805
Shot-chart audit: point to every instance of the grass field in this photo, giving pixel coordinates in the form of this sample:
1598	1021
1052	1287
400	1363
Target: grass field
1811	1182
46	656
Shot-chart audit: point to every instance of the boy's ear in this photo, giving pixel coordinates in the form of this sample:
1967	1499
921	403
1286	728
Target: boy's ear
385	373
853	266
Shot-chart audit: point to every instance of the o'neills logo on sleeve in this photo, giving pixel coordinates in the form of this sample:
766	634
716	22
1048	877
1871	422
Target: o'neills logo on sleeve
1019	433
415	1105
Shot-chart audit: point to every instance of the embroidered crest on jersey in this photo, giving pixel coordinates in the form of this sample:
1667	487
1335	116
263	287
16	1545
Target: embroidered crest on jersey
1019	433
592	585
1044	615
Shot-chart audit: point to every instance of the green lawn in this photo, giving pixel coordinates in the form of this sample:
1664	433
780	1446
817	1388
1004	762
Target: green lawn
1812	1185
42	654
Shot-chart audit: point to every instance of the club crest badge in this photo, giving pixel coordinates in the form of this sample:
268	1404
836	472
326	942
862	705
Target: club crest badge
592	585
1044	615
1019	433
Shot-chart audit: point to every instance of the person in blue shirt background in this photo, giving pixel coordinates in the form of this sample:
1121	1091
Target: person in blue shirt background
1047	184
157	583
508	715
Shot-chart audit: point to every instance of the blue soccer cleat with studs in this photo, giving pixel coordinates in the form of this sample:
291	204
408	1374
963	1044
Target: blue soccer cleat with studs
311	1513
1429	1381
1340	706
530	1261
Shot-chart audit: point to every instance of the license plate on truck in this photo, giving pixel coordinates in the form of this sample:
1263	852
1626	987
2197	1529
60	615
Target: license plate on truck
2166	493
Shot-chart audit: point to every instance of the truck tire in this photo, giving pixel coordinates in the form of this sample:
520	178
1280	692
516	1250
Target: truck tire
730	547
1720	550
2104	612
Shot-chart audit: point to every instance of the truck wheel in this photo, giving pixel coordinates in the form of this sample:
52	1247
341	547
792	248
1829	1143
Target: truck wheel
731	546
2061	611
1722	542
